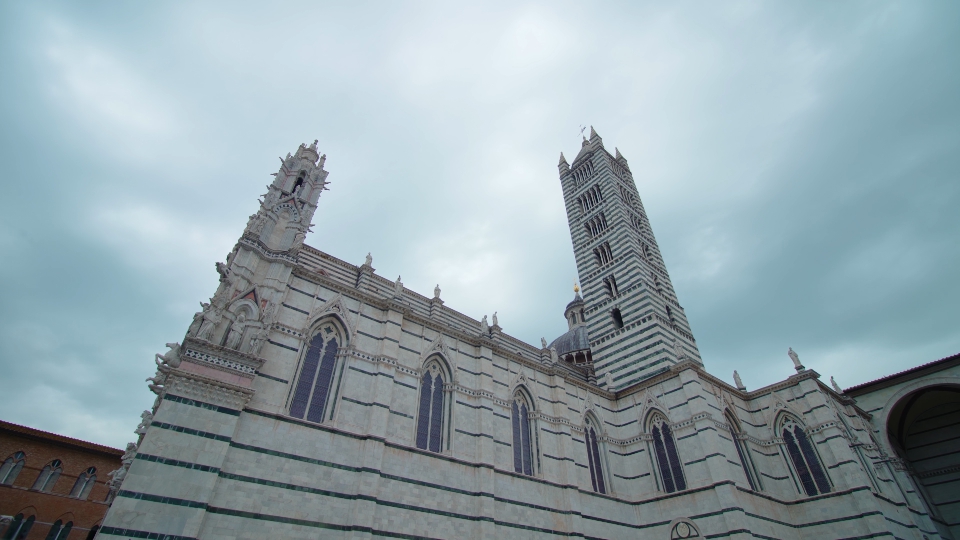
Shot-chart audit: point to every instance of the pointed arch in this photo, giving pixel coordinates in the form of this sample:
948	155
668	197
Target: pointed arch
21	524
524	430
337	309
665	453
802	455
592	436
433	411
321	366
743	451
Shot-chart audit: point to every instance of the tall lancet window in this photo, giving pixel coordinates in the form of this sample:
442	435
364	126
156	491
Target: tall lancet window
804	459
316	375
522	445
665	451
430	415
593	457
742	449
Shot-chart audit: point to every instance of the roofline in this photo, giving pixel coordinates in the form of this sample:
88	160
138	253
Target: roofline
912	373
62	440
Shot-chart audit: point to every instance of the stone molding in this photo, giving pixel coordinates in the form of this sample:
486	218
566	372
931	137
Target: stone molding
193	386
202	352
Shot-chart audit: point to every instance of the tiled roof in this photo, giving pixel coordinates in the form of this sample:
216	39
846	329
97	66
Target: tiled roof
904	373
60	439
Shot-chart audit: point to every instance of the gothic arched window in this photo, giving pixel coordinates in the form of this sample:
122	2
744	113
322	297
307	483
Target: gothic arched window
59	530
48	476
312	391
522	445
804	458
430	414
665	450
593	457
11	468
19	527
742	449
85	482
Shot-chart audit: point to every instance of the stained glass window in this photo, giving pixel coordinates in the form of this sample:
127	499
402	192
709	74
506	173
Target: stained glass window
812	476
522	448
430	412
668	460
593	460
742	449
313	385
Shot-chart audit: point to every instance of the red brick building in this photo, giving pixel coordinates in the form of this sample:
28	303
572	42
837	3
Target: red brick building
52	486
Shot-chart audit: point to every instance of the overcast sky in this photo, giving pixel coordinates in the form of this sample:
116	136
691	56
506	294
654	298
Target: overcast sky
800	164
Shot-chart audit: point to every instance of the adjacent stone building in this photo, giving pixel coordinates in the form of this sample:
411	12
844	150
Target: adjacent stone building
52	486
313	398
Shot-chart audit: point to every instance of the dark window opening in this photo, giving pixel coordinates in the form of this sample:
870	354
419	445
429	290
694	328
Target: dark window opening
617	318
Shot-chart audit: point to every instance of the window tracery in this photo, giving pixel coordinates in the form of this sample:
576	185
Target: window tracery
48	476
85	482
522	445
312	391
11	468
593	457
667	458
742	450
804	459
430	413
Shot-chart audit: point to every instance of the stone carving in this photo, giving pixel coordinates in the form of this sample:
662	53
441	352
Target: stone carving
170	358
543	342
836	387
369	260
156	383
270	199
257	341
495	323
484	327
684	529
236	332
298	240
436	291
736	379
211	318
796	360
117	476
197	319
224	272
145	418
398	288
554	357
678	350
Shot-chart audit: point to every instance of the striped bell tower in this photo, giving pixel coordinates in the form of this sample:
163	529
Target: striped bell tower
635	324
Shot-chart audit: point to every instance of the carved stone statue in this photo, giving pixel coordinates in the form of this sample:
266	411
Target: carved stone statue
224	272
211	318
197	319
269	313
369	260
796	360
495	323
398	288
836	387
145	418
484	327
736	379
170	358
678	350
543	342
554	357
257	341
436	291
156	383
298	240
129	454
236	332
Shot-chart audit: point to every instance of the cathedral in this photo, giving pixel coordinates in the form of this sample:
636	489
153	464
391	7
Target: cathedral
313	398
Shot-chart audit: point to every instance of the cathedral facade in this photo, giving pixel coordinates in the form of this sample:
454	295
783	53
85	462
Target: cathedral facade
313	398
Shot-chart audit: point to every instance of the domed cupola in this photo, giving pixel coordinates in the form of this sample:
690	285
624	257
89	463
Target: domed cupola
574	346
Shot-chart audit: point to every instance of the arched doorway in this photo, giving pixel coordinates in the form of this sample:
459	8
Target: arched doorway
924	429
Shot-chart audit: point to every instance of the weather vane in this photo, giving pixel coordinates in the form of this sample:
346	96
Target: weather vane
582	129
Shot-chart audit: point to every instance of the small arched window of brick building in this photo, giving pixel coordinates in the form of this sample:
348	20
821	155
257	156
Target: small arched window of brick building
85	482
11	468
49	476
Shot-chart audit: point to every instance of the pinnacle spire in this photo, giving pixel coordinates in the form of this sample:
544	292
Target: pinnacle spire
618	154
593	133
563	160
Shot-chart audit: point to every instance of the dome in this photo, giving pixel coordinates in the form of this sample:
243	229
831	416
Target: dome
576	339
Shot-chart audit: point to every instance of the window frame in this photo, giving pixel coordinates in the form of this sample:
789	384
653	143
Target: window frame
331	400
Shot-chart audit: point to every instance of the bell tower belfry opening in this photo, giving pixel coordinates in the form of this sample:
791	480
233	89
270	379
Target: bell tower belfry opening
636	325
